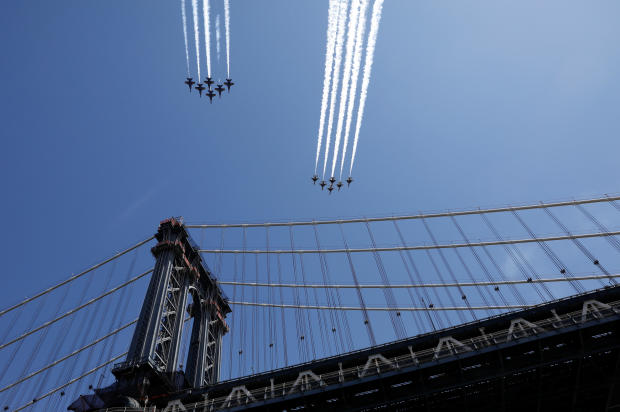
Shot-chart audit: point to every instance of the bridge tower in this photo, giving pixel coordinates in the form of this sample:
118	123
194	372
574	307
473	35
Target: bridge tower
151	367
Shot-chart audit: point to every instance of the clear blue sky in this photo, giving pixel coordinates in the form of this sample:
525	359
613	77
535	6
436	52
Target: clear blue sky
470	104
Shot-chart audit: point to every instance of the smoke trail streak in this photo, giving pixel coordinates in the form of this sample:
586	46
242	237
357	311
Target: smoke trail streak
227	26
342	20
332	16
196	35
217	36
205	18
370	51
346	76
185	35
357	60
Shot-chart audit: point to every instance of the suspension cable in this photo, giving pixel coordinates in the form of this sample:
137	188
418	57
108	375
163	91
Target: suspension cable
95	369
420	247
74	277
419	285
72	311
360	296
410	217
419	280
383	309
514	254
397	322
64	358
580	246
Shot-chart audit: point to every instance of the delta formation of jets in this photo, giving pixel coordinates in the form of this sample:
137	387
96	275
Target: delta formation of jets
210	91
332	180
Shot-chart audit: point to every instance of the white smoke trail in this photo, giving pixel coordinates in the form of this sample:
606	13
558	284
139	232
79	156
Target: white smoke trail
357	61
342	20
217	36
370	51
185	34
332	18
205	17
196	36
346	76
227	26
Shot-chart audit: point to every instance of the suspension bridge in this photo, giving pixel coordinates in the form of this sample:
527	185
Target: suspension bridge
501	308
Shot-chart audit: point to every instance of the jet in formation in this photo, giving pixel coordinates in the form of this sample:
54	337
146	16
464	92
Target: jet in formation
200	88
189	82
332	181
211	95
208	86
219	89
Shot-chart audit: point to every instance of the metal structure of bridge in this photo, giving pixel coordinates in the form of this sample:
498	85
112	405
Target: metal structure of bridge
520	309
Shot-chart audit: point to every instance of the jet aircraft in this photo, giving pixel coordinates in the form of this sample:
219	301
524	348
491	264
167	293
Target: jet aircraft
228	83
211	96
189	82
330	188
349	180
339	185
200	88
322	184
209	81
219	89
332	180
314	179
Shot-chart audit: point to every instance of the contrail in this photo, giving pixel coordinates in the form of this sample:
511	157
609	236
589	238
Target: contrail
370	51
357	60
332	17
227	25
185	35
346	76
217	36
342	20
196	35
205	17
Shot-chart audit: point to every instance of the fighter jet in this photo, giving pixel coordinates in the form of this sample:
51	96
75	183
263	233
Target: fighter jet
189	83
314	179
228	83
330	188
200	88
219	89
349	180
211	96
339	185
332	180
209	81
322	184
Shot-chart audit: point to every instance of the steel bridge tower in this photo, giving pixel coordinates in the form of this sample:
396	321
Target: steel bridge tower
151	366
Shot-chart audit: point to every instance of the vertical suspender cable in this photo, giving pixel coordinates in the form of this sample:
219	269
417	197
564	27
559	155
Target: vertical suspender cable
447	265
360	297
283	315
397	323
582	248
552	256
420	281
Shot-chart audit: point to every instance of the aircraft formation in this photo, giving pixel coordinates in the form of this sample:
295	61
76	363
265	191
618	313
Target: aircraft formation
210	91
345	17
332	180
207	85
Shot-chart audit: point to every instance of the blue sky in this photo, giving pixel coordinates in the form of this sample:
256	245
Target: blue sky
470	104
